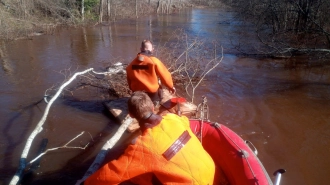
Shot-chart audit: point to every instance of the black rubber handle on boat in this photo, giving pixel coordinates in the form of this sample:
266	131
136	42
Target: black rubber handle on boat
281	171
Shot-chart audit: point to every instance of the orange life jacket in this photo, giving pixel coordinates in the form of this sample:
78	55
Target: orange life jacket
186	163
143	73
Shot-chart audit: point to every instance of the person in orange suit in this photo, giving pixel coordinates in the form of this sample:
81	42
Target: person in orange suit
166	151
143	73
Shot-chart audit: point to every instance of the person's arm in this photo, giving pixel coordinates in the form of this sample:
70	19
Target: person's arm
172	90
164	75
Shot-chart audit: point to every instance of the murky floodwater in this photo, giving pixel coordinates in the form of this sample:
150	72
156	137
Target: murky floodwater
283	112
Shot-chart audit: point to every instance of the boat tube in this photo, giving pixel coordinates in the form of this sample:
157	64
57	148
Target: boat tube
231	153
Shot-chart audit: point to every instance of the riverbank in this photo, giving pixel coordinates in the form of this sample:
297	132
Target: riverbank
25	20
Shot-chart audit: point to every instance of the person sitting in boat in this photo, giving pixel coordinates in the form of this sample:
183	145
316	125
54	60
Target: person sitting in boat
166	151
143	73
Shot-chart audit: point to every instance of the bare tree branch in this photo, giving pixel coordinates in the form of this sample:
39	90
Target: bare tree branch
60	147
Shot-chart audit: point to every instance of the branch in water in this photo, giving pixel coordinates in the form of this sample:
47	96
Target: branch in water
61	147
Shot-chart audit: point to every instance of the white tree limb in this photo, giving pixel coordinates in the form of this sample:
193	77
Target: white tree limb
108	145
56	148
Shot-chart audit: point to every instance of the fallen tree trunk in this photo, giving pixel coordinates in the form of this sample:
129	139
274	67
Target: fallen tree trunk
106	147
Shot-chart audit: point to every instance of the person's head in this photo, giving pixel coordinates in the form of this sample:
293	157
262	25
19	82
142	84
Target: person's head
146	45
140	105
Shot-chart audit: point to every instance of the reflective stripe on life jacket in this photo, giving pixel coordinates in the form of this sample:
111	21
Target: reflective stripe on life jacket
177	145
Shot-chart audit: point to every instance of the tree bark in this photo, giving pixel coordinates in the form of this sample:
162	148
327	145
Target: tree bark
158	6
83	9
136	8
101	11
109	9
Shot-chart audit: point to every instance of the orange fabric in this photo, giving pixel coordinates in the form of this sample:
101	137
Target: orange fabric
147	79
191	165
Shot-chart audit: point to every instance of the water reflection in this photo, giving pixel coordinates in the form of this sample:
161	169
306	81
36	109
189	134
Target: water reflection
84	45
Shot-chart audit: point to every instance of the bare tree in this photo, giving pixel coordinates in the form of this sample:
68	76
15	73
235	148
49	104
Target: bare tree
287	27
136	8
83	10
158	6
109	9
101	11
189	60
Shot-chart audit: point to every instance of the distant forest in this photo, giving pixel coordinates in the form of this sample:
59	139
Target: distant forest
27	17
288	27
285	27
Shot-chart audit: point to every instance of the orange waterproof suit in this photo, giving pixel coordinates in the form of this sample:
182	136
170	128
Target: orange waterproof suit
168	150
143	73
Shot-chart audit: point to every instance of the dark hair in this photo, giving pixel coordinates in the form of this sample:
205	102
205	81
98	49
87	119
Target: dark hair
140	105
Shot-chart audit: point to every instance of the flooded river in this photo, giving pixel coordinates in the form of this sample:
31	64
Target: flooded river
284	112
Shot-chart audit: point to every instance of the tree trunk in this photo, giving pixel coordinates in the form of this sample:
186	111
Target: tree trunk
115	12
101	11
82	9
109	9
136	8
23	8
158	6
169	7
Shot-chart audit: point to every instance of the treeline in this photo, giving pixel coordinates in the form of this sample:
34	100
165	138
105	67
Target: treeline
28	17
285	27
288	26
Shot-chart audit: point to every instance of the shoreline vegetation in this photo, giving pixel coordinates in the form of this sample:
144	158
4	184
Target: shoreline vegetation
284	28
25	19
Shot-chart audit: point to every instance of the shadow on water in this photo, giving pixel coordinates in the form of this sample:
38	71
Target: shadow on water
77	166
72	170
20	138
92	106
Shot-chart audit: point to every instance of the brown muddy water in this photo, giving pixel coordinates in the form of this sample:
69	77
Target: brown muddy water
284	112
